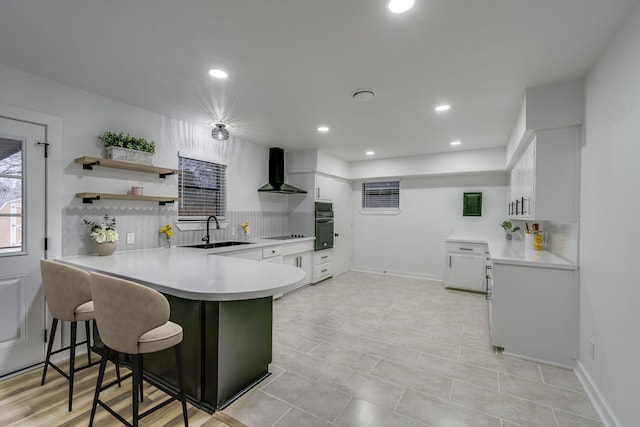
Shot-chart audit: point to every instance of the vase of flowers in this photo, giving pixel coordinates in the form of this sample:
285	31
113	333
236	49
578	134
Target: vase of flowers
166	230
509	228
104	234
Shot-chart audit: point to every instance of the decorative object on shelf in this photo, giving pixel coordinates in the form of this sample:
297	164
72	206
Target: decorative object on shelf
127	148
245	228
166	230
104	234
509	228
220	132
137	191
472	204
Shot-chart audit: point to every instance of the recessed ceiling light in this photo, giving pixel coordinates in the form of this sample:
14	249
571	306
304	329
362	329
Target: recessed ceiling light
370	153
218	74
455	143
323	129
363	95
399	6
443	107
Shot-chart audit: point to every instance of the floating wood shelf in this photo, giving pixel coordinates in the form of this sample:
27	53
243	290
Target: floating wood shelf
89	162
90	197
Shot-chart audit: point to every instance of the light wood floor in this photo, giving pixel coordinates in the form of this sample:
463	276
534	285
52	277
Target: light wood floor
24	402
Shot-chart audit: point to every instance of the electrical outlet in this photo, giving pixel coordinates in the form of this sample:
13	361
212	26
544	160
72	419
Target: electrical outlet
131	238
233	231
593	349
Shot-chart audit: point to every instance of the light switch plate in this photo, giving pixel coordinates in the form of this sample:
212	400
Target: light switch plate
131	238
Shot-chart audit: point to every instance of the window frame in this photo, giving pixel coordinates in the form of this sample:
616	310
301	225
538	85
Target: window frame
219	206
368	209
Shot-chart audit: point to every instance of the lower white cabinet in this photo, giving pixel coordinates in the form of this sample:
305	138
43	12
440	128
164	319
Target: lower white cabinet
323	265
465	266
535	312
303	261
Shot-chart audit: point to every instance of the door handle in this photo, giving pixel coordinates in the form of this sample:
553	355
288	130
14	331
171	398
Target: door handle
449	261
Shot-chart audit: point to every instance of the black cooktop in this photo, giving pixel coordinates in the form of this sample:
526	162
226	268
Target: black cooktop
287	237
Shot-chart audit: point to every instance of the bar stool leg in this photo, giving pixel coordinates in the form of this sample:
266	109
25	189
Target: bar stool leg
180	366
72	360
52	335
103	364
134	388
141	377
88	334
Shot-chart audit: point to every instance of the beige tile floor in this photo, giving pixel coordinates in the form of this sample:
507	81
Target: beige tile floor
372	350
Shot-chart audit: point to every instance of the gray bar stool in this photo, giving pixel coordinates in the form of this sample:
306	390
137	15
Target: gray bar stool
134	319
68	293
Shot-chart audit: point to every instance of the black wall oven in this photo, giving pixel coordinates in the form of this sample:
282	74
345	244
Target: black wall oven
324	226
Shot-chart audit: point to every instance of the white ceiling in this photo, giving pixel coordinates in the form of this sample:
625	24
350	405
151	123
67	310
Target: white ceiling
293	64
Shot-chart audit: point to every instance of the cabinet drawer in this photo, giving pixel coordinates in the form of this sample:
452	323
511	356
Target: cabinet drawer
478	248
252	254
296	248
271	251
323	257
322	272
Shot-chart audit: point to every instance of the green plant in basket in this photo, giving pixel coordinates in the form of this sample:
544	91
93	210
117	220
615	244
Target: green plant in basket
113	139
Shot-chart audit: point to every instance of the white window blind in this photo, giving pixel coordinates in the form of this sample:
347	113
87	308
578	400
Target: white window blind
203	189
381	195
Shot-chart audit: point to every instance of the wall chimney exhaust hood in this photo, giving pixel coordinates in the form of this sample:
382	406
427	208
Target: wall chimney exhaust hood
276	182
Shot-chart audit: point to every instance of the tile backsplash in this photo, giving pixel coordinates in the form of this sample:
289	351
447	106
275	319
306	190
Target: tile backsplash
145	222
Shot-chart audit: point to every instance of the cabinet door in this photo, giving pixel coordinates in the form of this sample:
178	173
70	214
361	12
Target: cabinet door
465	271
303	261
324	188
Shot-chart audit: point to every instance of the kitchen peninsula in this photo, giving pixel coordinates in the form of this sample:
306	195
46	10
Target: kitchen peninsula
224	305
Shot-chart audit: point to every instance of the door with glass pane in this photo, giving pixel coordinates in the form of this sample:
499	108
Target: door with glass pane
22	232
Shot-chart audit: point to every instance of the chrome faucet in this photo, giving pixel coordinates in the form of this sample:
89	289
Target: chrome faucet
206	237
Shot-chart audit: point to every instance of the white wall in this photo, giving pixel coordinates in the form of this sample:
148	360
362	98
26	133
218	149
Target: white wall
466	161
84	116
609	284
412	242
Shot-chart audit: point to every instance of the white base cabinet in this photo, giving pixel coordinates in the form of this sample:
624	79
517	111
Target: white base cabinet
323	265
535	312
465	266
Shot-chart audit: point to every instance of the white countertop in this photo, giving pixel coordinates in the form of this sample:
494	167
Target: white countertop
197	274
513	252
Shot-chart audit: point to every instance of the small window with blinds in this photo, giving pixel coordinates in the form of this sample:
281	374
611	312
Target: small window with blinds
381	195
202	189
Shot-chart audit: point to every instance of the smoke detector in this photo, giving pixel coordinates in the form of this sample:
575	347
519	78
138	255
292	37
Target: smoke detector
363	95
220	132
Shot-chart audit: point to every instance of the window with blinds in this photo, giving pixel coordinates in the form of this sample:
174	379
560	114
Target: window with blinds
202	189
381	195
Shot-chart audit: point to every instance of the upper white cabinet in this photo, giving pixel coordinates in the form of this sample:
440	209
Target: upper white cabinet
324	188
544	180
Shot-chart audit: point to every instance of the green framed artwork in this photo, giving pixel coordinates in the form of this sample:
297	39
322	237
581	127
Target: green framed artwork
472	204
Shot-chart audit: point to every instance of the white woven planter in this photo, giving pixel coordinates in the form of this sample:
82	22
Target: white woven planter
131	156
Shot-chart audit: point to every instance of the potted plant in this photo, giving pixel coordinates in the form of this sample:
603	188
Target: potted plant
104	234
127	148
509	228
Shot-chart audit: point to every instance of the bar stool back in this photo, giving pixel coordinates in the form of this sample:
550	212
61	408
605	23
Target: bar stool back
68	293
134	319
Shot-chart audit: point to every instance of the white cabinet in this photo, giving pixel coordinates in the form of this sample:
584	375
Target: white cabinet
303	261
297	254
544	181
324	188
465	266
535	312
323	265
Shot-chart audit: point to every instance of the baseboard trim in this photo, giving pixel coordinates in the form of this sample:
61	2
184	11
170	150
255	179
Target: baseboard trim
397	273
599	402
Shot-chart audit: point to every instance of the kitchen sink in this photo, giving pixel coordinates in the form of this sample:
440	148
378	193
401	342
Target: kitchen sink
216	245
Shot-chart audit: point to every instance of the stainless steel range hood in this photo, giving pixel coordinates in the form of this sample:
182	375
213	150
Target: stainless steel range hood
276	182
